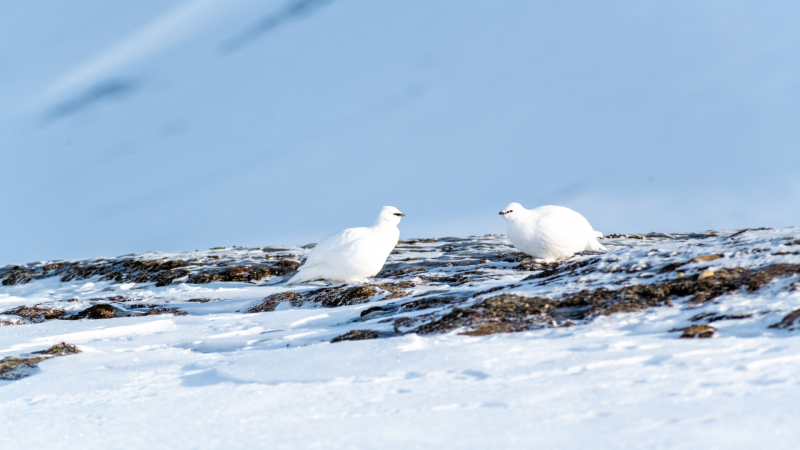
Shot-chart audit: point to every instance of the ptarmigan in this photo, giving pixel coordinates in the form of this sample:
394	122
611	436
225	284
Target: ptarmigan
550	233
355	254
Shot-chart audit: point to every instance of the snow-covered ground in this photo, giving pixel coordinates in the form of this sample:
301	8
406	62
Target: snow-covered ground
222	378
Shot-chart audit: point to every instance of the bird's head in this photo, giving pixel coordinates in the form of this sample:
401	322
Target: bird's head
389	214
512	211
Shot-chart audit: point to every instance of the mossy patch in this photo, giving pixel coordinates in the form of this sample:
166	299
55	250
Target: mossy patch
272	302
698	331
17	367
99	311
61	349
509	312
158	310
356	335
35	314
789	321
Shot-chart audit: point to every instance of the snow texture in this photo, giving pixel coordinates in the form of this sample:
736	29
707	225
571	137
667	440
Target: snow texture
221	377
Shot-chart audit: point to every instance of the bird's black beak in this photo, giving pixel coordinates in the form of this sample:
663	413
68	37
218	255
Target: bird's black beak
399	214
502	213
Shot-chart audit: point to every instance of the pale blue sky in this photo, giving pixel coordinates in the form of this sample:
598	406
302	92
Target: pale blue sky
179	125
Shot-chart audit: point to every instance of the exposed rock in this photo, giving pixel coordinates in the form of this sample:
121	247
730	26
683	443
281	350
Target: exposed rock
241	274
16	367
98	311
61	349
356	335
508	312
287	263
17	275
788	321
705	258
35	314
396	290
341	296
698	331
158	310
272	302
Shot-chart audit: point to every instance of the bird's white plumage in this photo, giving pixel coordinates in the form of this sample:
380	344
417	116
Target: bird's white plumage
353	255
550	233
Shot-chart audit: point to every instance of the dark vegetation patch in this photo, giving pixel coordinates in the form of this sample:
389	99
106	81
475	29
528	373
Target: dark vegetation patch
99	311
388	273
374	309
331	297
714	317
272	302
158	310
788	322
17	275
455	280
160	272
35	314
243	273
16	367
425	303
508	312
61	349
107	311
418	241
698	331
549	270
357	335
341	296
740	232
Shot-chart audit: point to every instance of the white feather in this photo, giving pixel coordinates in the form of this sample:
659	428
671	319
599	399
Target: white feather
550	233
353	255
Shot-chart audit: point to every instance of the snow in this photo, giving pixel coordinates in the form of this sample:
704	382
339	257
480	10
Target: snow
218	378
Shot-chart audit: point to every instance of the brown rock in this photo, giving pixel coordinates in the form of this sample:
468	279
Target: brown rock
61	349
356	335
35	314
698	331
99	311
788	321
272	302
287	263
705	258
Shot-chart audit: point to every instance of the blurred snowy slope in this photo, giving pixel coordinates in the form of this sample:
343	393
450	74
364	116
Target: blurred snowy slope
186	124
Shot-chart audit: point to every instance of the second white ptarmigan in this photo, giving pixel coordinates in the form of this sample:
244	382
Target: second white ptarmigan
355	254
550	233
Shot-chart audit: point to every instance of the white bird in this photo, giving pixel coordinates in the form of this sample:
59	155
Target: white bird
353	255
550	233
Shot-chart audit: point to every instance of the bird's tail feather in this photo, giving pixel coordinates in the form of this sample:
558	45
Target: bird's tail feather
594	245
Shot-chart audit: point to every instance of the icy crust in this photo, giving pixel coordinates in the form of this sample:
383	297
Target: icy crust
475	285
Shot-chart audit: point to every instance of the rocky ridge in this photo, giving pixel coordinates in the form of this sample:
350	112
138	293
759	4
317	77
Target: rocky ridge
473	286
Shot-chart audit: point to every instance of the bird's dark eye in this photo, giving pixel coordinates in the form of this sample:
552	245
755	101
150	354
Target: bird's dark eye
510	210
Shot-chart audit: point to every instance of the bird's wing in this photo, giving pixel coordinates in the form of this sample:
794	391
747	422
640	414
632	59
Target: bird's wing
334	243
